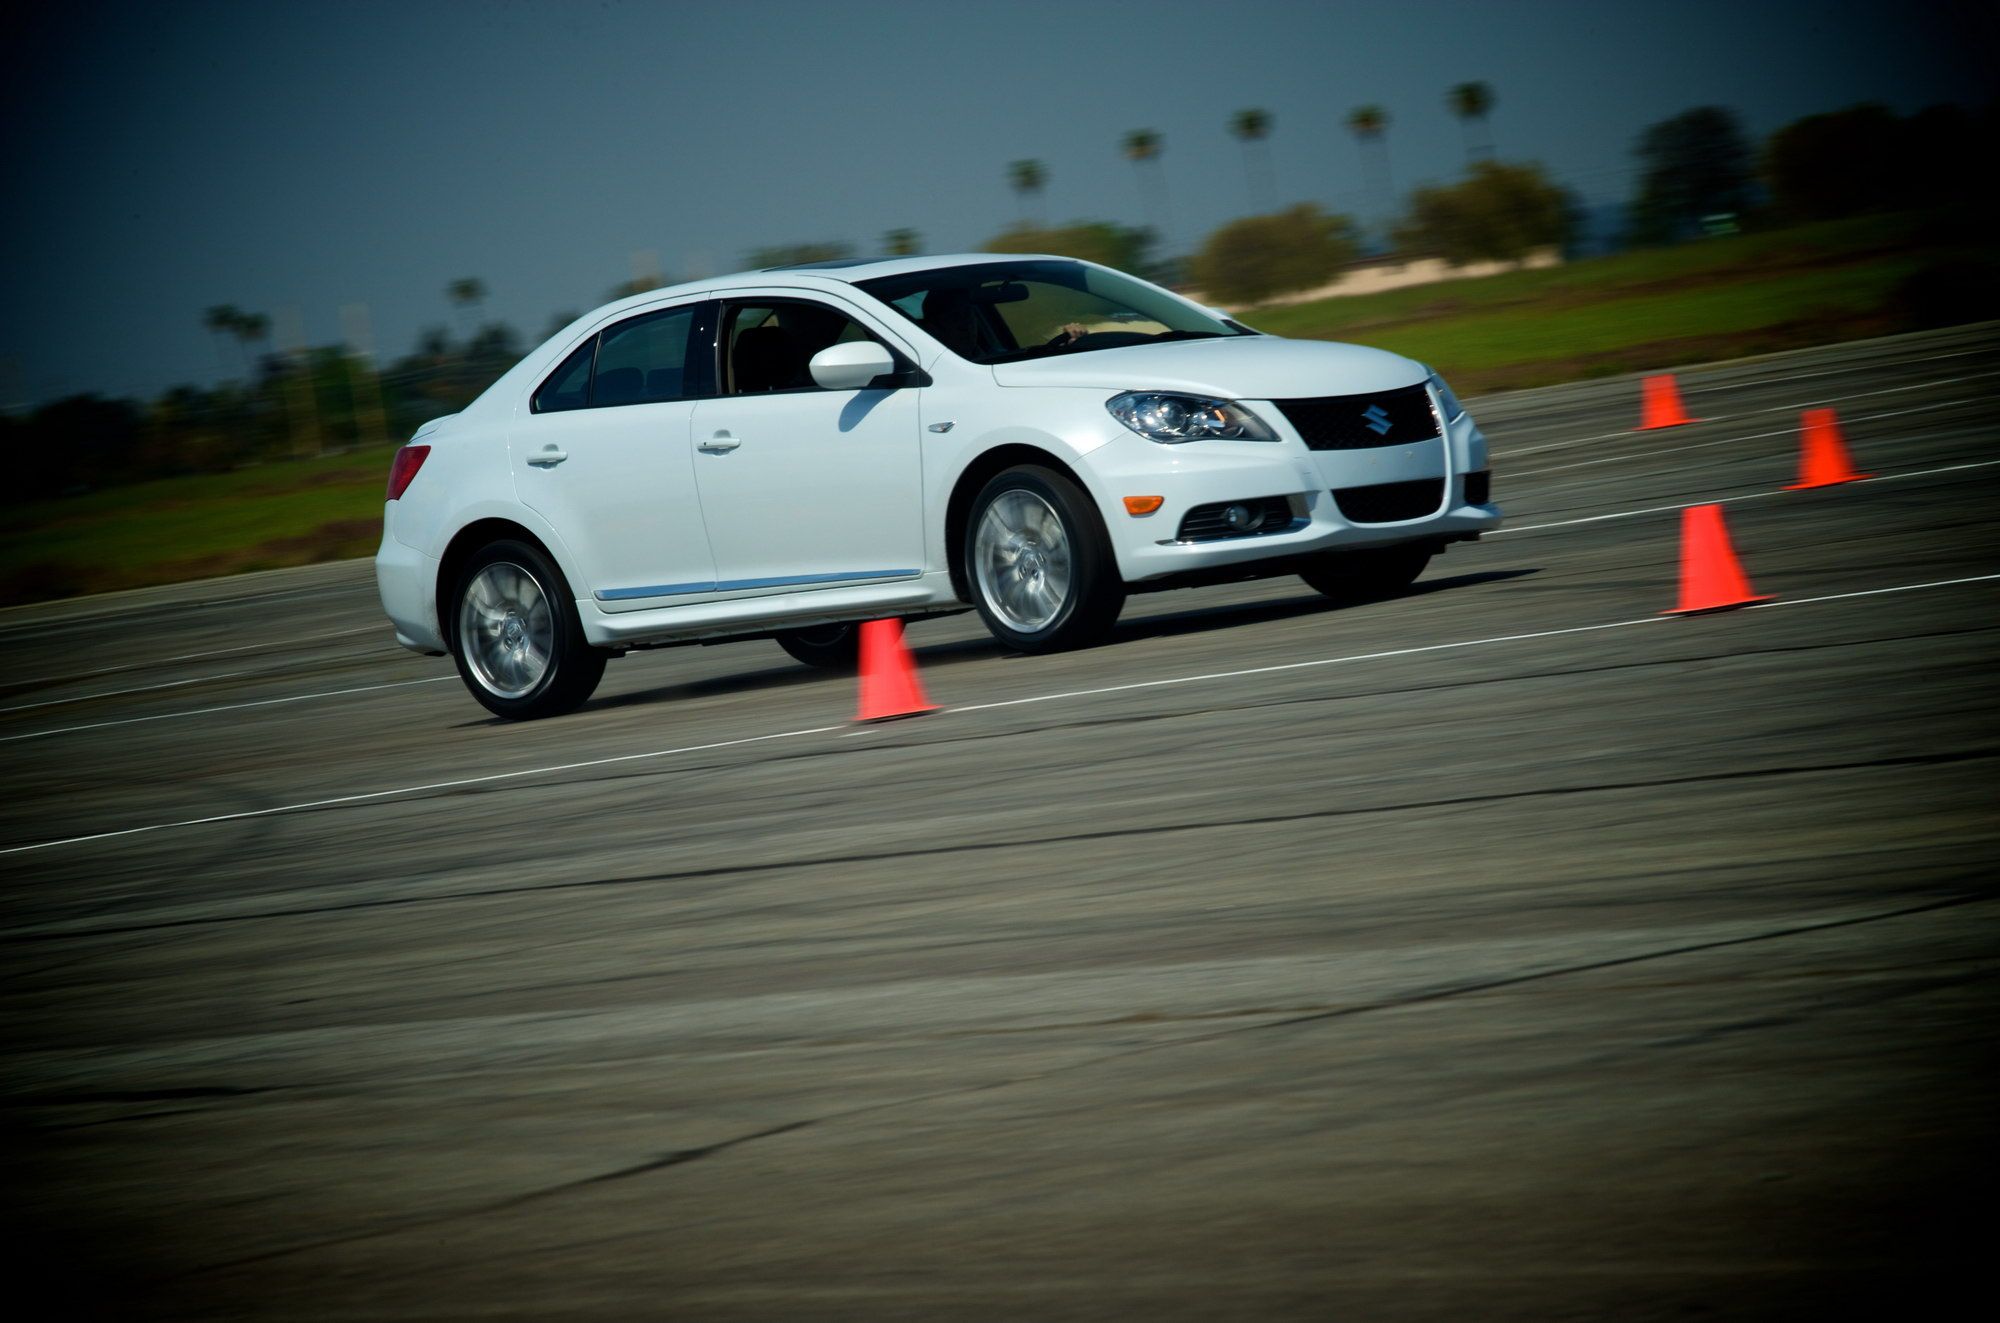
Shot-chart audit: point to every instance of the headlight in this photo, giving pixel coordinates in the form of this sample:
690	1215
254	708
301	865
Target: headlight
1174	419
1453	410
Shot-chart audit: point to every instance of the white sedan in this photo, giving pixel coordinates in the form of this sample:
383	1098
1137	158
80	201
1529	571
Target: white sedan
784	453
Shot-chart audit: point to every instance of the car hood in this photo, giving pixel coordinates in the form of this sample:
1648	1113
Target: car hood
1253	367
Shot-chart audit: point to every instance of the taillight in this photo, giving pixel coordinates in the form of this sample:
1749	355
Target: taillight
408	460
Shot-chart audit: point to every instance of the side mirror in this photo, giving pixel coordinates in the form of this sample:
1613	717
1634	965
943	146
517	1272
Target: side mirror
850	366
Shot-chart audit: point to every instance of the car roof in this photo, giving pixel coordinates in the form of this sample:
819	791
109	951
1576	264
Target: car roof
819	275
867	268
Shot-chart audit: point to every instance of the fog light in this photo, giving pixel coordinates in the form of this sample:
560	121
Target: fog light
1242	519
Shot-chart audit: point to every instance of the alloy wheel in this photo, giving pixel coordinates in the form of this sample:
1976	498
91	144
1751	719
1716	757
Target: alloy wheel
1022	556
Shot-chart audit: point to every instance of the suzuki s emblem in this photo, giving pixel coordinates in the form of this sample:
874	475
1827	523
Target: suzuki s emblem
1377	420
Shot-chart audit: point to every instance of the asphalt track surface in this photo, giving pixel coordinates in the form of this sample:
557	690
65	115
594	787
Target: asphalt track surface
1504	950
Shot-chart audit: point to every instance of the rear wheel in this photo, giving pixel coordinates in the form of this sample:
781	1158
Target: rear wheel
829	647
1038	563
517	640
1372	572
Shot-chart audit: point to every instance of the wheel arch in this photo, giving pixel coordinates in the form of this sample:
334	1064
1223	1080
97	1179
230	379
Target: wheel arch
958	508
464	544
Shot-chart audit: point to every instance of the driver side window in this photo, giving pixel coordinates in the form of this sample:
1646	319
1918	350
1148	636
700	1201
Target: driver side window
769	346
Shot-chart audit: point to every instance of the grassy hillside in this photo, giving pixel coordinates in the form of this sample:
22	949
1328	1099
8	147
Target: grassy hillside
1718	298
291	513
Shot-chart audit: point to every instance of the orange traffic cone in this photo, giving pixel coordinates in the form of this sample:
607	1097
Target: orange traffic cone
1823	460
889	685
1711	579
1660	404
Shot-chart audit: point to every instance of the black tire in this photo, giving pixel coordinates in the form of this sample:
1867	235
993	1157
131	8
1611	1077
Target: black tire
1090	593
834	648
497	638
1367	574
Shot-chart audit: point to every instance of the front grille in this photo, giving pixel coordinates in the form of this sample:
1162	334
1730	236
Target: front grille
1207	523
1479	487
1362	422
1390	502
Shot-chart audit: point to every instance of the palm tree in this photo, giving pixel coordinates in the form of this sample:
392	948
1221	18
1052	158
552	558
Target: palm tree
465	294
1142	148
250	328
221	320
1027	178
1472	102
902	243
1370	126
1251	128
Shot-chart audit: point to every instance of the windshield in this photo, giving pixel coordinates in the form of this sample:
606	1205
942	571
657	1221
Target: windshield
1002	312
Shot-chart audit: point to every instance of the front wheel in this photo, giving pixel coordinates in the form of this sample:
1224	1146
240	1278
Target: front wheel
1372	572
1038	563
518	643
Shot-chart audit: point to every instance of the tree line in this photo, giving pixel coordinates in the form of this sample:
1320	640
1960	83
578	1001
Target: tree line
1696	173
285	404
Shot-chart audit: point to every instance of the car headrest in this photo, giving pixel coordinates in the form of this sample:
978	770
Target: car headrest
767	359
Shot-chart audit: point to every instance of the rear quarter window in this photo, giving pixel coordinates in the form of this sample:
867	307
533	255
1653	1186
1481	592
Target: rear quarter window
568	387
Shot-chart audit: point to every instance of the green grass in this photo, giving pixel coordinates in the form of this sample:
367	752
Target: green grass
290	513
1660	308
1656	308
1474	346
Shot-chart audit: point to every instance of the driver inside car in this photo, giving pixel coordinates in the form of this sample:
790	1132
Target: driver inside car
952	320
952	316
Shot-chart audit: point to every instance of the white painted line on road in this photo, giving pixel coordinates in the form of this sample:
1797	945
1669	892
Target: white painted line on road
1508	452
1699	389
1865	394
1724	417
418	790
1304	665
226	707
30	625
212	652
1725	500
1727	440
115	693
1871	592
590	763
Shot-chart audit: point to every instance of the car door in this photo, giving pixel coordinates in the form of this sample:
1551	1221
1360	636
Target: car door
603	456
803	487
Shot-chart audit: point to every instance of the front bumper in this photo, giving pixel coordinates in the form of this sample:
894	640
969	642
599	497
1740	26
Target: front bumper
1148	547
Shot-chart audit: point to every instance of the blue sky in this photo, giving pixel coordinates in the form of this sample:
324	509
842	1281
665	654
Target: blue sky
296	159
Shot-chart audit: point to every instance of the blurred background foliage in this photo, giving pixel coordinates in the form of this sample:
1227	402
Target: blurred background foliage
1249	260
1498	214
1126	247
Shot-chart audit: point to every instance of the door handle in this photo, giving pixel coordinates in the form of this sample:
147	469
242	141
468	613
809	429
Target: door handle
548	457
720	443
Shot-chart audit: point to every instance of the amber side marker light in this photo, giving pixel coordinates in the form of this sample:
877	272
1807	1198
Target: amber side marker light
408	460
1143	505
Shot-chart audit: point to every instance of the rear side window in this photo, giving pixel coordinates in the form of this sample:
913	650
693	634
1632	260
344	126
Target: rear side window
644	360
568	387
641	361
